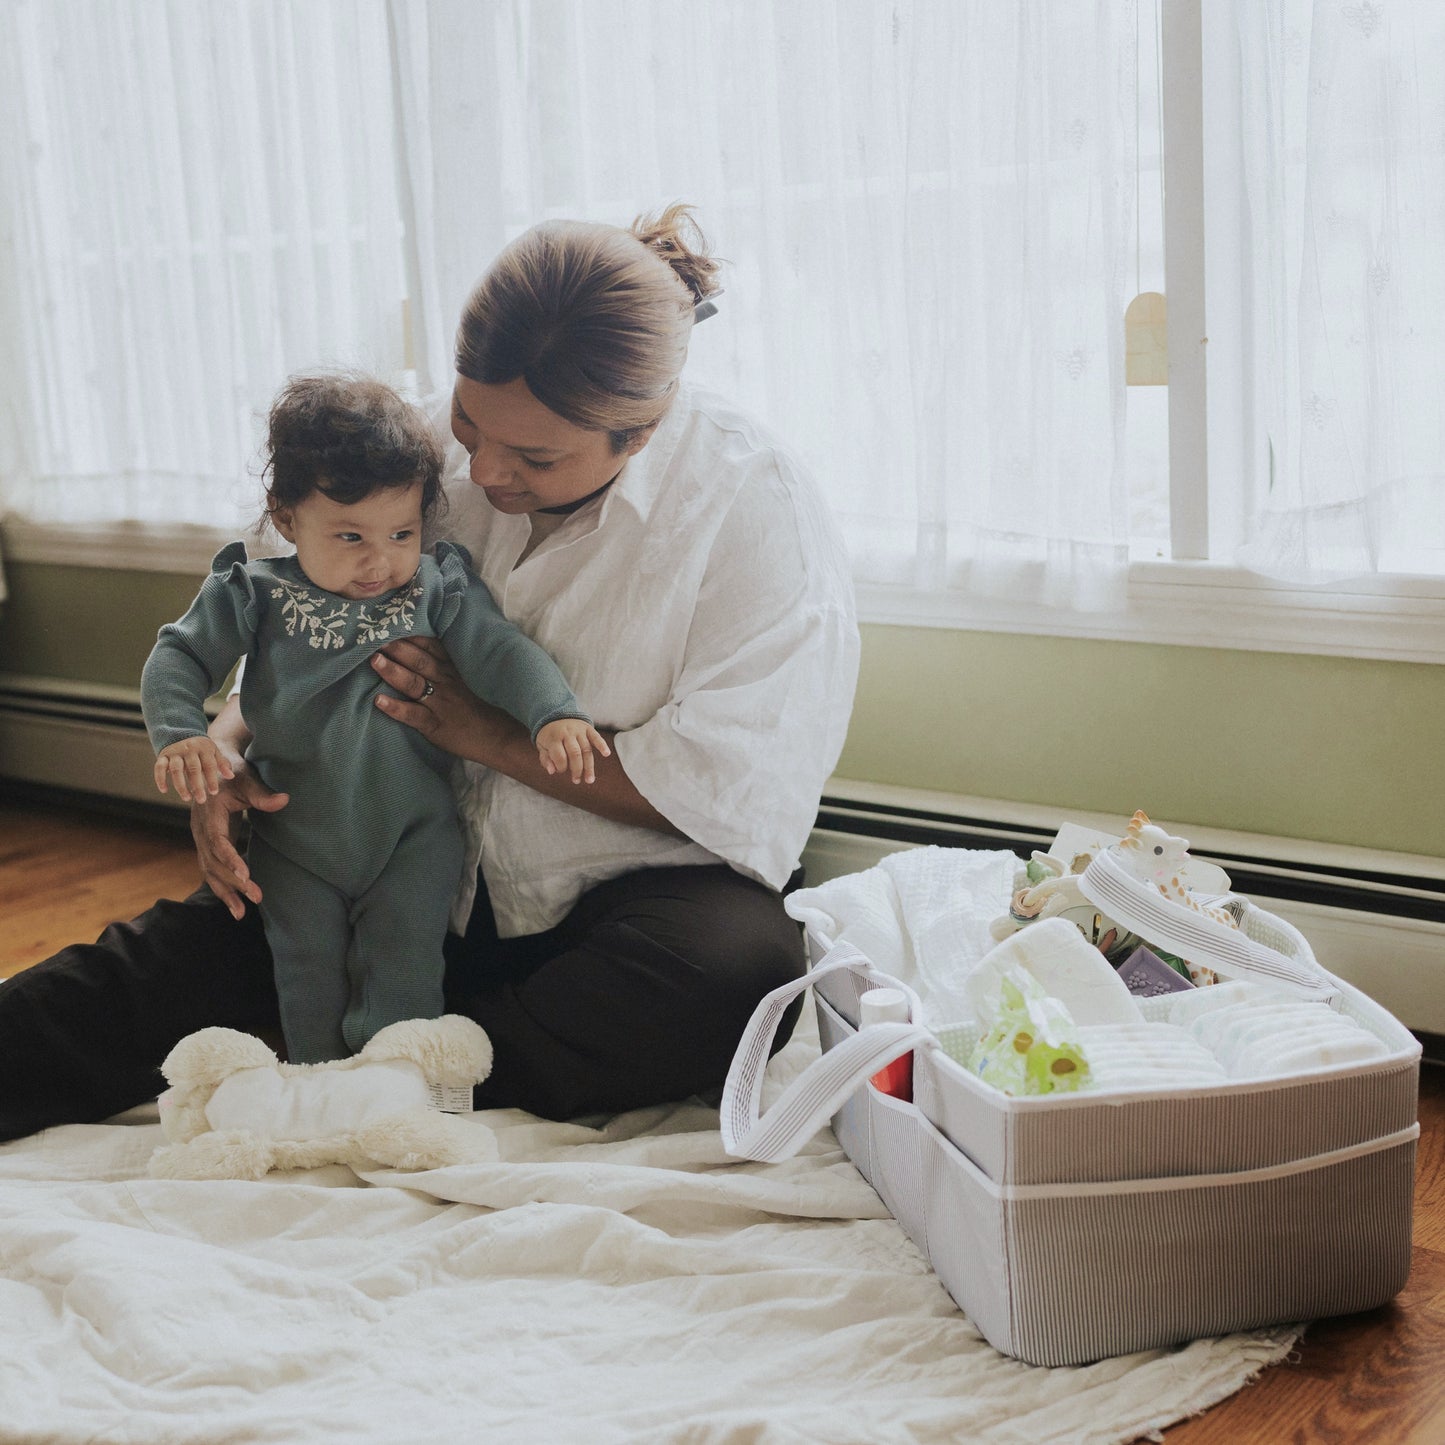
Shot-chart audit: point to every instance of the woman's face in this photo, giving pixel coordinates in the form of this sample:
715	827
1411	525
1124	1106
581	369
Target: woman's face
525	456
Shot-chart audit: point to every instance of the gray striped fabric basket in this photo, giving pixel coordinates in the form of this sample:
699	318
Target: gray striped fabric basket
1078	1226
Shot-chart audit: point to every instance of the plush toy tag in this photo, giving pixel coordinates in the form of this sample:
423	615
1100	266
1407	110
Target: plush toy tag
451	1098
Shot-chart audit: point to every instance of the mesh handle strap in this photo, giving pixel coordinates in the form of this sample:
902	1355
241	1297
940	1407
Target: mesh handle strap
819	1091
1192	934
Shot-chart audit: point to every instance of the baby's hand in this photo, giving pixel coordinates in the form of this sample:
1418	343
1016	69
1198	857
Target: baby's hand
567	746
195	765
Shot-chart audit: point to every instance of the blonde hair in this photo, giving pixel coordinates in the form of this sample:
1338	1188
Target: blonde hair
595	319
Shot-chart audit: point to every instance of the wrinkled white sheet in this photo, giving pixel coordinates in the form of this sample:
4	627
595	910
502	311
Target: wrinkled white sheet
627	1283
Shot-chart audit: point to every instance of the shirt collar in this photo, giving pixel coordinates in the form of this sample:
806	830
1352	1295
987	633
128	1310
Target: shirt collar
640	482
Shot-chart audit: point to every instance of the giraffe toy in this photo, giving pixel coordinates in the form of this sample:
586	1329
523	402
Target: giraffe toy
1143	880
1154	856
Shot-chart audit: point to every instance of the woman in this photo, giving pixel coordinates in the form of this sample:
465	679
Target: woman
684	574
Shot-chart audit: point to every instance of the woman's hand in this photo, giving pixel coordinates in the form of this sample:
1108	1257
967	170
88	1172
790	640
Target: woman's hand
216	820
436	702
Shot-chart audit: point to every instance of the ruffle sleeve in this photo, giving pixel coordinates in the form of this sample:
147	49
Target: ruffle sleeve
193	655
454	564
229	565
738	756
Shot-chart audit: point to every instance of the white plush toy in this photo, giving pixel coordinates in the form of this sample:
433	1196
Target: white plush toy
234	1111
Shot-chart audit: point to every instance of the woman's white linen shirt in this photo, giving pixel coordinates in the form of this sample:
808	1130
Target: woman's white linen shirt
702	608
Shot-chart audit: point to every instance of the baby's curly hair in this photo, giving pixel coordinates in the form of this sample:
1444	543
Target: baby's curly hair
347	435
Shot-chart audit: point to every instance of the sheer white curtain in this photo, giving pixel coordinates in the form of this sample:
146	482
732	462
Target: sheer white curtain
1344	175
197	200
927	208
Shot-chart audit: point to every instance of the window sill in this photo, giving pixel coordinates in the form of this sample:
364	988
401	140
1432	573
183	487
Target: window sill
1187	604
1202	604
126	546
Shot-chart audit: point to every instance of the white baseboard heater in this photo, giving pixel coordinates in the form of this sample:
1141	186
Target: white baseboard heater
1374	918
85	737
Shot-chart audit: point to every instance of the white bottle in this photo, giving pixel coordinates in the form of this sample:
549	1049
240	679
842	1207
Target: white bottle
888	1006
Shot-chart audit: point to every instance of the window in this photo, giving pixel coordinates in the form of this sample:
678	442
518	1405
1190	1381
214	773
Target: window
201	199
937	213
1304	169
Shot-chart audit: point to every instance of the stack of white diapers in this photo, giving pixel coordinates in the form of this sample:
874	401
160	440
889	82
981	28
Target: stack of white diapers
1257	1032
1230	1031
1123	1050
1148	1056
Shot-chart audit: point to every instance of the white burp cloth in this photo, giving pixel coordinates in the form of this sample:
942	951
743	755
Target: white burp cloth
921	916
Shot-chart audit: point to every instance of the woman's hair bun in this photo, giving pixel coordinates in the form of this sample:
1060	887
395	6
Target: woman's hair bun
675	236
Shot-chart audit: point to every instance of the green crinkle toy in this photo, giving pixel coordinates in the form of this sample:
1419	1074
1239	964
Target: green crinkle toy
1031	1045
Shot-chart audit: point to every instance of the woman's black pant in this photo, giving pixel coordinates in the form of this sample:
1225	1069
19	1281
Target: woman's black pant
637	997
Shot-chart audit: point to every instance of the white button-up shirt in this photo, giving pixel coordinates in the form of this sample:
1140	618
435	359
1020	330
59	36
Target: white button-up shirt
702	608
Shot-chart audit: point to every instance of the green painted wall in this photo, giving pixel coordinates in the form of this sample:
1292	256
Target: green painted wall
1336	749
89	624
1340	750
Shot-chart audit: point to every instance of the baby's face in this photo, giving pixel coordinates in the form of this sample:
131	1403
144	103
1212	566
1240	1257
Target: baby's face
358	550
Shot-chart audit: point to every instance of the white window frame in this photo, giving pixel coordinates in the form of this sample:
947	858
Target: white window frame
1184	600
1188	599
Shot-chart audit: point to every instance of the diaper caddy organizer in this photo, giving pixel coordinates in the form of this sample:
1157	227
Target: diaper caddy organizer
1117	1217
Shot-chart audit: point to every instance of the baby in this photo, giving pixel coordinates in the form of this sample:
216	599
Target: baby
358	870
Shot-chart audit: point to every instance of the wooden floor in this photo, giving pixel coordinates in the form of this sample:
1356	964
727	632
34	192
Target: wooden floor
1376	1378
65	874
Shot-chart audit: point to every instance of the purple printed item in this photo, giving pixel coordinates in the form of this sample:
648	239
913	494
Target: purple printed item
1146	975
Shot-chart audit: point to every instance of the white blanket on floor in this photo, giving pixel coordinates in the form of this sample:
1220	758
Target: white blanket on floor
625	1283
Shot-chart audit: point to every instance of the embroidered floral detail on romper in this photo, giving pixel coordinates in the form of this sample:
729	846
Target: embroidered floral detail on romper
395	616
301	611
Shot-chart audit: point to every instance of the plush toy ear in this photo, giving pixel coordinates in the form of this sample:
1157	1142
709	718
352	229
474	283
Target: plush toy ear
204	1058
183	1113
449	1050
